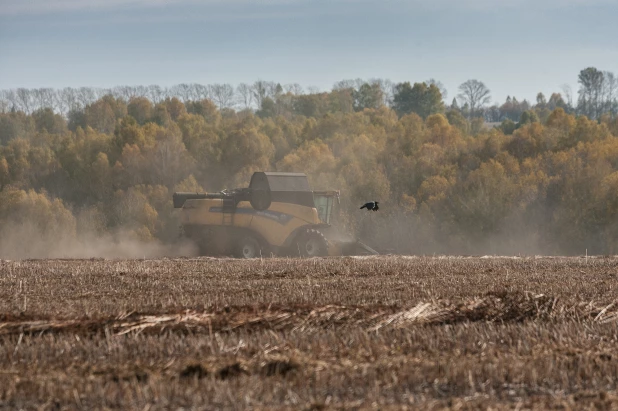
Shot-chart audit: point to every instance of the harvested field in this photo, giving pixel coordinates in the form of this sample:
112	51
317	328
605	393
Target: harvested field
319	333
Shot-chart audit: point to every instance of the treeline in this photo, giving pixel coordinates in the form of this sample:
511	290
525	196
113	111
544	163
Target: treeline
544	180
598	94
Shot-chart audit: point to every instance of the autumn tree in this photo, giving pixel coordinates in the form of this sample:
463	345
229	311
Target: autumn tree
174	107
46	120
133	212
102	114
168	160
206	109
100	178
15	125
311	105
4	173
140	108
128	132
386	86
245	150
439	85
340	101
27	217
314	158
486	197
456	119
556	101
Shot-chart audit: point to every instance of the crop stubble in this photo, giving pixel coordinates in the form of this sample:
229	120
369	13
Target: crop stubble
289	333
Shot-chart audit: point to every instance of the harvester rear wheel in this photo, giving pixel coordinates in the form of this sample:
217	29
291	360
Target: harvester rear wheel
312	243
248	247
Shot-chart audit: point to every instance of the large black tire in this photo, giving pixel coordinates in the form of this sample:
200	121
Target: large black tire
311	243
248	247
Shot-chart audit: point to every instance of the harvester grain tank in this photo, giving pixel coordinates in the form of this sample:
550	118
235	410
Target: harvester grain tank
278	214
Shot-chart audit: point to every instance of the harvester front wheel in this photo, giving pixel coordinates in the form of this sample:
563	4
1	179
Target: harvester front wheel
248	247
312	243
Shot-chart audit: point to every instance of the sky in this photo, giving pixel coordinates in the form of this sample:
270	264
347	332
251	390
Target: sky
515	47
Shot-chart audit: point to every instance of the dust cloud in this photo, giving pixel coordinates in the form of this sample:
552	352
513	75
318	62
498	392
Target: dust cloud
398	232
26	241
389	231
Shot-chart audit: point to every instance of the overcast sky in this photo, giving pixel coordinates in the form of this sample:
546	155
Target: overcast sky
516	47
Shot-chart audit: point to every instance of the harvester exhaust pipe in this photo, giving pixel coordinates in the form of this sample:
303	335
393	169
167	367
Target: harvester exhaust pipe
260	199
180	198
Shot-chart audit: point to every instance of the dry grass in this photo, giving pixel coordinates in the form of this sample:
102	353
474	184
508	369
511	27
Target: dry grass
321	333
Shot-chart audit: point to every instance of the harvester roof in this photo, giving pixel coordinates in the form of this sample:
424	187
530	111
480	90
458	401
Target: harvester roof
277	181
284	187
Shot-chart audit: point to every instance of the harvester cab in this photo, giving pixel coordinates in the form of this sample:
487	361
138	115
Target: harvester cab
278	214
327	204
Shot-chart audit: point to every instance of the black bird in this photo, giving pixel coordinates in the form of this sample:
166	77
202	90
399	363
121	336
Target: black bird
372	205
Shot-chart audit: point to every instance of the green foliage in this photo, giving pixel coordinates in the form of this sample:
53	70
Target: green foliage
161	116
528	117
420	99
456	119
508	126
76	118
367	96
201	138
310	105
590	98
15	125
268	108
46	120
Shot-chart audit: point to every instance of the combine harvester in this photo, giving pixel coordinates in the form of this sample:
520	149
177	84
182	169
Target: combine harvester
278	214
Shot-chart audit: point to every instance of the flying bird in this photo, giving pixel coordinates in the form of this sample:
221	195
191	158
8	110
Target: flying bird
372	205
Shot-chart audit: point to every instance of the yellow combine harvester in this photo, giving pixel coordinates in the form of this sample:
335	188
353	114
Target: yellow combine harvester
278	214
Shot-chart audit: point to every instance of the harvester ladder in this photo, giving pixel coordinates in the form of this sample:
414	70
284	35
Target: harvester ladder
228	209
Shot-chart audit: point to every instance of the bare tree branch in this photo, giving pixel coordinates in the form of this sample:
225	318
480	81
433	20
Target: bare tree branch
244	94
223	95
475	94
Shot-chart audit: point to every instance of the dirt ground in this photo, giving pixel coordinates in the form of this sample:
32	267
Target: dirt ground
376	332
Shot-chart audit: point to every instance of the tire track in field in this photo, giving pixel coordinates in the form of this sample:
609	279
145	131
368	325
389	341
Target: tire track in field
493	307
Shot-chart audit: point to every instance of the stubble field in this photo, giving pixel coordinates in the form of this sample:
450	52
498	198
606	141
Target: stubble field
379	332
